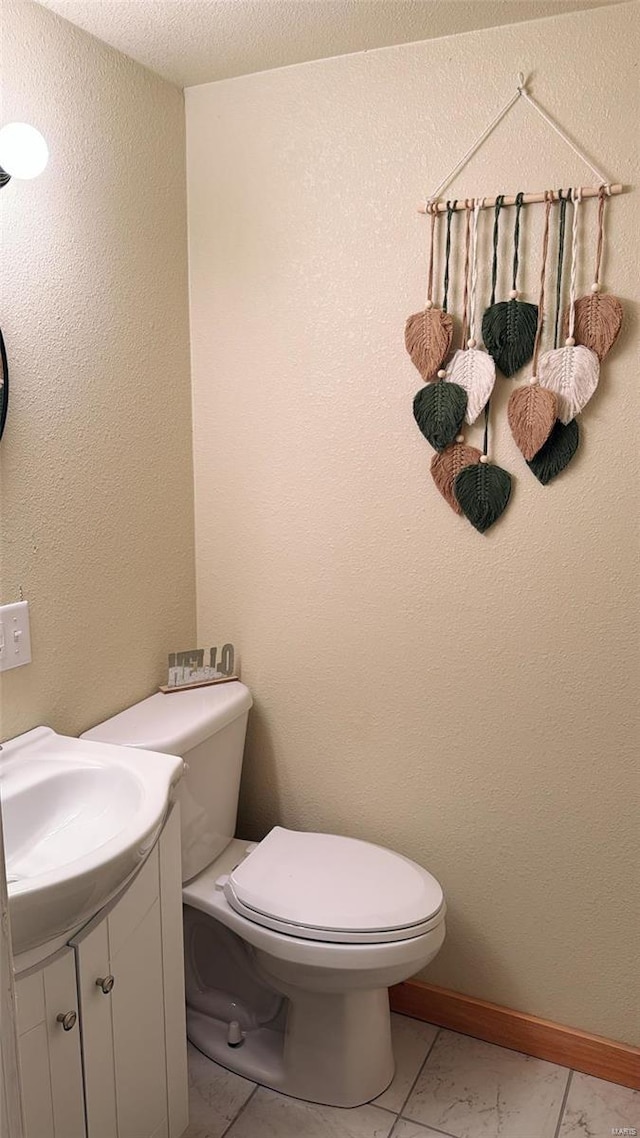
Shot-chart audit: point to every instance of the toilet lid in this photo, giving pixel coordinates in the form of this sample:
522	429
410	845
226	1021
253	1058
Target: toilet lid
325	887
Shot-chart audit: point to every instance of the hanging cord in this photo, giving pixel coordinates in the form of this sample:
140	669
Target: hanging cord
521	91
516	243
494	265
576	198
494	280
543	272
429	301
562	217
467	251
477	206
554	126
602	194
474	146
485	441
451	206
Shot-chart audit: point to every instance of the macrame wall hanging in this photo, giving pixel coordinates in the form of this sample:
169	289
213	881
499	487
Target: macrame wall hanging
458	383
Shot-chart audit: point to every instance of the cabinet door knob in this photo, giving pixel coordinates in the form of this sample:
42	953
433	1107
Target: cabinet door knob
67	1019
105	983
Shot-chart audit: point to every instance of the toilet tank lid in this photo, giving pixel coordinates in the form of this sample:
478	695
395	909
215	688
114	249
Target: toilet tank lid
176	722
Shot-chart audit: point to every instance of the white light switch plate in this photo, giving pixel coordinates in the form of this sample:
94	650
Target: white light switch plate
15	640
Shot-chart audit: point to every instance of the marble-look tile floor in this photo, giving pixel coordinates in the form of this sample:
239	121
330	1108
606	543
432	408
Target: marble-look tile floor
446	1086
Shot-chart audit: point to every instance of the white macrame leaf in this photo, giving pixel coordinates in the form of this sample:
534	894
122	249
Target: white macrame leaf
476	372
572	373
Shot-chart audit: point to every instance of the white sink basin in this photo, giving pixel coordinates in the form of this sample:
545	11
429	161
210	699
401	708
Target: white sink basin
78	818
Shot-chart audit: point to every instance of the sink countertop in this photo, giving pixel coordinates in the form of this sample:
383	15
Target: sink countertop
79	818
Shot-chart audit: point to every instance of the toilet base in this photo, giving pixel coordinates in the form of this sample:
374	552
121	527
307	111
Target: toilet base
335	1050
314	1015
259	1058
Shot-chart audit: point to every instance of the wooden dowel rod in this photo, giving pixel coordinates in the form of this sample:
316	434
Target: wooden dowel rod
587	192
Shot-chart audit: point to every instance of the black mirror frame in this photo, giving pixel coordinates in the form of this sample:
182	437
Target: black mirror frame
4	389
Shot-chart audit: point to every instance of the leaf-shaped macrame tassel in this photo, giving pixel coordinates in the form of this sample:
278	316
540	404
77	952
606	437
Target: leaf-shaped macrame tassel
509	333
556	453
482	491
509	327
439	410
471	369
572	373
446	466
476	372
598	320
531	412
427	336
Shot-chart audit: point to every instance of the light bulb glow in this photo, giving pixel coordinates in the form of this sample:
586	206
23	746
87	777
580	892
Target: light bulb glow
23	151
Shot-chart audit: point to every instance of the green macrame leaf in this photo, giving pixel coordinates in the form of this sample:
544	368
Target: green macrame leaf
509	333
439	410
556	453
482	491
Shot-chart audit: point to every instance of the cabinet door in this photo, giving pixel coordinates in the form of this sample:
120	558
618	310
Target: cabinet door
122	1005
97	1033
50	1050
138	1031
131	987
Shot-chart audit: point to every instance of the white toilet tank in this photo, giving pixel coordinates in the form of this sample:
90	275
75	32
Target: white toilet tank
206	727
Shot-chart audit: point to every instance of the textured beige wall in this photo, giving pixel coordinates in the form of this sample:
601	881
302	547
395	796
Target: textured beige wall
468	700
96	523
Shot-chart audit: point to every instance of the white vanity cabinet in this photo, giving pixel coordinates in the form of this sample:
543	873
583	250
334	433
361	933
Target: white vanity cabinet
49	1049
126	982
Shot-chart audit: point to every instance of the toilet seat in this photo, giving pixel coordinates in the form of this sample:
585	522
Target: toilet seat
328	888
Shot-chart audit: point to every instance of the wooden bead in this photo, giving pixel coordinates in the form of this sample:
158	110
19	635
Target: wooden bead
484	458
441	373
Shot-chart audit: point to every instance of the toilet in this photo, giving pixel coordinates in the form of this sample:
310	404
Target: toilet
291	943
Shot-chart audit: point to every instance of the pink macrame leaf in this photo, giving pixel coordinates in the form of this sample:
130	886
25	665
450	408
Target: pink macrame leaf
531	412
598	320
427	337
446	466
476	372
572	373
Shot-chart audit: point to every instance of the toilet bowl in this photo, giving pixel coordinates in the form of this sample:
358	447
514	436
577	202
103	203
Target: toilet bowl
333	1045
291	943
